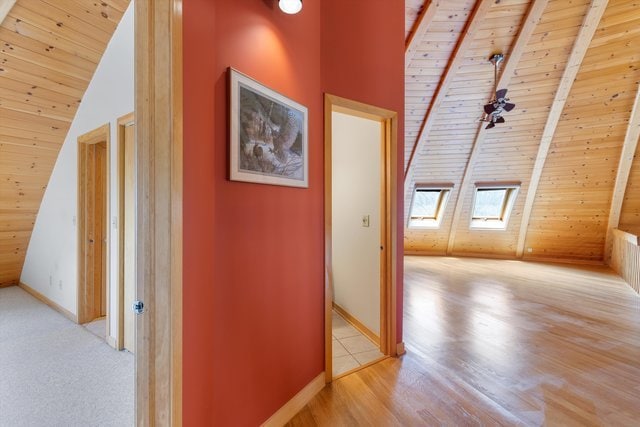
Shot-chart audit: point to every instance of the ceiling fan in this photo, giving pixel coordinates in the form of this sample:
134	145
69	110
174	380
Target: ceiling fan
499	104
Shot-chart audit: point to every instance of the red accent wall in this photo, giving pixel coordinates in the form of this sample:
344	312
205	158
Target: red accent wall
363	60
253	254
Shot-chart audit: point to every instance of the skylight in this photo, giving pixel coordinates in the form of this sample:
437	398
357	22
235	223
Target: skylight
427	206
492	205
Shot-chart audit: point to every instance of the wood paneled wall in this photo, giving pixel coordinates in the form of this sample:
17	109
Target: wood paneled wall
49	50
570	209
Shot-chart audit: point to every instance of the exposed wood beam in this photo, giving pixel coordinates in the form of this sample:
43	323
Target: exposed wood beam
466	39
578	52
5	7
624	169
536	9
419	28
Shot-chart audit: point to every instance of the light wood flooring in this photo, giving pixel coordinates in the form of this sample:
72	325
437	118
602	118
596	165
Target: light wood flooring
494	342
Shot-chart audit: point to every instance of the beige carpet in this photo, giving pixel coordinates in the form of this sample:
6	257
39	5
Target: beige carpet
56	373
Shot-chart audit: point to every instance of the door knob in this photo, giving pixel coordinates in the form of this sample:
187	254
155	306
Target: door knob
137	307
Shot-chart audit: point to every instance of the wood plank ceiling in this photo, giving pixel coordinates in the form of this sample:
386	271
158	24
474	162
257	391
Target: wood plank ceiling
49	51
573	69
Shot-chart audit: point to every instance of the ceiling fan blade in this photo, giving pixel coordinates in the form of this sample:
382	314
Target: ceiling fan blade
489	108
490	125
509	106
500	119
501	93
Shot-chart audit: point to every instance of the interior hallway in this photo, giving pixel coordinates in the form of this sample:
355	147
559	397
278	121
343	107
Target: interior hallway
500	342
54	372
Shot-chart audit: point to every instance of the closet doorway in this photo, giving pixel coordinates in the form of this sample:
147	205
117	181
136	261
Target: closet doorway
359	202
93	188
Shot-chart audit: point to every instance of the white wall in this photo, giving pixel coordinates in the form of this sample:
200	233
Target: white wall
52	257
356	159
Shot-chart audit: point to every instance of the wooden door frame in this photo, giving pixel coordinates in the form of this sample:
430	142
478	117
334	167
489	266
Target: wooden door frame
158	110
123	122
388	257
96	136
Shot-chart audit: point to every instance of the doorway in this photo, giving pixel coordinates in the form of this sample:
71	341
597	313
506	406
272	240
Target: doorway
360	185
126	232
93	187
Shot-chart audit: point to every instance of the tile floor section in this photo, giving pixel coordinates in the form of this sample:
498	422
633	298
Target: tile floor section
351	348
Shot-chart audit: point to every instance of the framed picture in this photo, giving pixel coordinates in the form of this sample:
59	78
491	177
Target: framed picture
269	135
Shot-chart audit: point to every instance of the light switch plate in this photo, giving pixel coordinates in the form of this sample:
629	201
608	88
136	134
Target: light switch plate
365	220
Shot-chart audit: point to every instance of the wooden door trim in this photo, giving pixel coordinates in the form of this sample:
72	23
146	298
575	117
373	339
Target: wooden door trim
95	136
158	107
388	286
123	122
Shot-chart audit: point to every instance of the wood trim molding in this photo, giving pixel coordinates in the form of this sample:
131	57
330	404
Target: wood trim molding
295	405
473	24
357	324
578	52
622	177
66	313
127	119
5	7
159	114
122	123
530	22
419	29
96	135
389	121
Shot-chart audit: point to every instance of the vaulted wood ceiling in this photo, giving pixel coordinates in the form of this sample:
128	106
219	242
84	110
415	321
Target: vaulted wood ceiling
49	51
573	69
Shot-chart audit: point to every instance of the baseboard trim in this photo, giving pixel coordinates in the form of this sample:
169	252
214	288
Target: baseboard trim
357	324
525	257
400	349
569	261
37	295
295	405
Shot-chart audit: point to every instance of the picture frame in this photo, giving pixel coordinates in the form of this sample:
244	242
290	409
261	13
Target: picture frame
268	135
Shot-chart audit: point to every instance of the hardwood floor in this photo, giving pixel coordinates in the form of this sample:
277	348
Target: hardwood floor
493	342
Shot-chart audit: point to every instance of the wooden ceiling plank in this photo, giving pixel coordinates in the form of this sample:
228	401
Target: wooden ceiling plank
419	29
28	90
5	7
464	43
534	14
25	28
20	96
25	107
101	9
25	142
20	14
63	67
64	19
581	45
624	169
84	14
